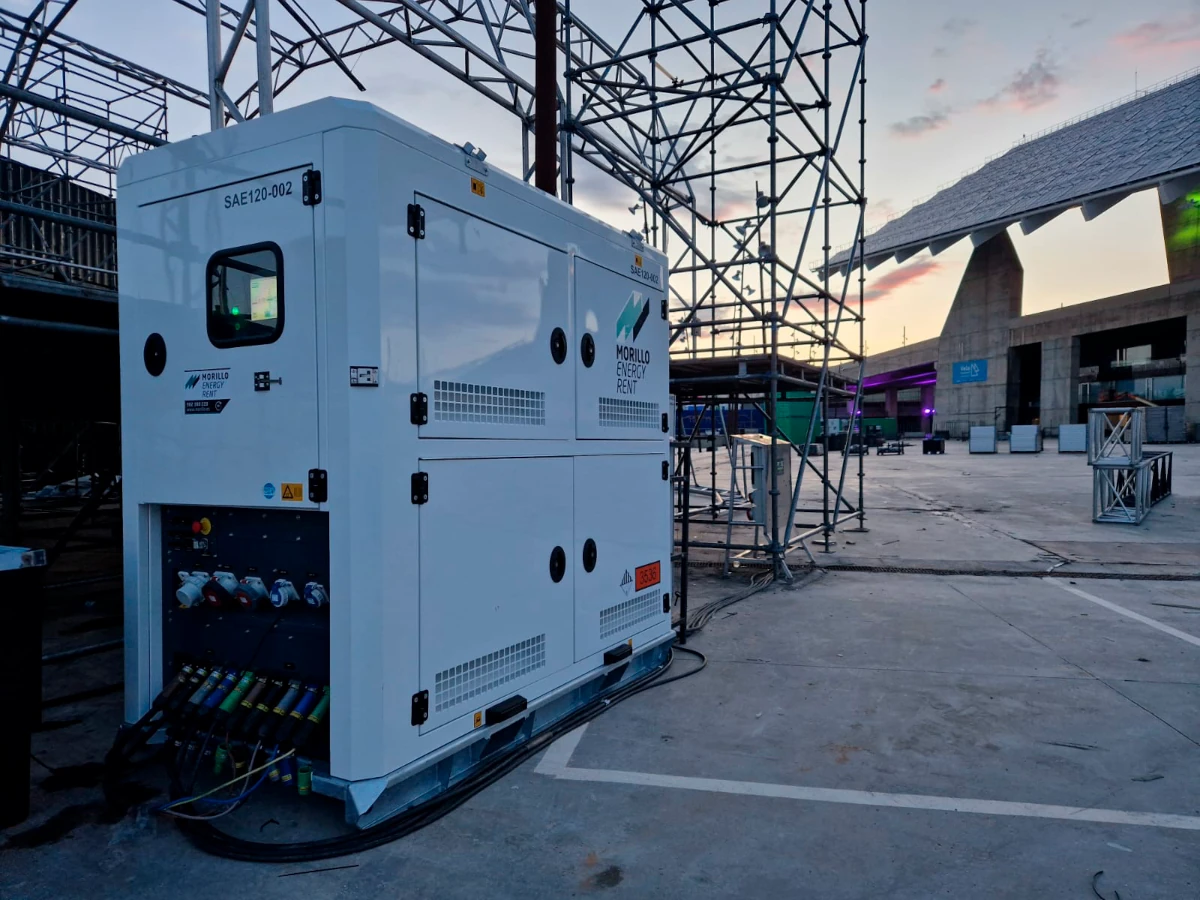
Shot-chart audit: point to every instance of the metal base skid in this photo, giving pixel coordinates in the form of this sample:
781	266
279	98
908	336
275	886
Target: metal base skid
374	800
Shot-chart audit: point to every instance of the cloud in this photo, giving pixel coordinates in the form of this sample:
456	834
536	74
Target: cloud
1079	23
938	86
915	126
880	212
958	27
1156	37
881	287
1031	87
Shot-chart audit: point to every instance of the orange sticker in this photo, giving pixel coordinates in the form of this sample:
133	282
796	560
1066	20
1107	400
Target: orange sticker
647	576
478	719
478	188
637	260
291	491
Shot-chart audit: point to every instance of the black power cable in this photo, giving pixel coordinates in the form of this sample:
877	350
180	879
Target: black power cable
213	840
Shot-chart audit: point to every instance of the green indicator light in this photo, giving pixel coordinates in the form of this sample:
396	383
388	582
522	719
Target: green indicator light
235	311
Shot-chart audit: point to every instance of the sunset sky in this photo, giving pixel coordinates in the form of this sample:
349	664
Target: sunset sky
952	83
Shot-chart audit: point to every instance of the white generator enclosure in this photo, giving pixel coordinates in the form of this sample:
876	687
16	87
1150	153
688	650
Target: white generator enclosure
395	430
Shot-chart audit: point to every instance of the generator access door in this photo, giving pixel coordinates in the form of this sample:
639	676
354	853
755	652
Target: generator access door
218	322
621	356
496	581
493	330
622	555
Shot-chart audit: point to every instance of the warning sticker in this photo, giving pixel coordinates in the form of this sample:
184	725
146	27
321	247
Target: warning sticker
290	491
205	391
478	719
478	188
647	576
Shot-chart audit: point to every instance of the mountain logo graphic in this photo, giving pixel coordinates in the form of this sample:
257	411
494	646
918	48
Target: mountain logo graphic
633	317
192	381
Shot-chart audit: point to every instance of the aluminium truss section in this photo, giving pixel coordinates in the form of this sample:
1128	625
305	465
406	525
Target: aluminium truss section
74	109
1114	436
71	113
1124	494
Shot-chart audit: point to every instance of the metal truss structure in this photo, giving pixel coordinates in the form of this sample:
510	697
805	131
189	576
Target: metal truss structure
1126	480
72	112
734	127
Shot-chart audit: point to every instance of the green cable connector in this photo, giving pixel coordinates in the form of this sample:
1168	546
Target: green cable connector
318	714
229	704
312	720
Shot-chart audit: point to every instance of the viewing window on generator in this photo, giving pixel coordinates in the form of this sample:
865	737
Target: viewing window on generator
245	296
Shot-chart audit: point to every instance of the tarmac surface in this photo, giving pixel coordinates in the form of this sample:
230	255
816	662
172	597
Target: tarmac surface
867	731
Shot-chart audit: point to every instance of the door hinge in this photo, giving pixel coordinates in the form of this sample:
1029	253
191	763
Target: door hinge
416	221
420	707
666	470
666	423
318	485
420	488
418	409
310	187
663	309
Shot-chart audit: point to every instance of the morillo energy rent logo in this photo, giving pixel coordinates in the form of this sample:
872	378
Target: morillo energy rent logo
205	391
631	361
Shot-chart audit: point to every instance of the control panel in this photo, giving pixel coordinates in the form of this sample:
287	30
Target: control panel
247	589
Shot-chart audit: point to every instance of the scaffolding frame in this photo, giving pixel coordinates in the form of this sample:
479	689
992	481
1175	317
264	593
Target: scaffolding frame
737	129
696	99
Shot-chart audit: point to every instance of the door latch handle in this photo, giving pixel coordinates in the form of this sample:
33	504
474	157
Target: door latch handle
263	381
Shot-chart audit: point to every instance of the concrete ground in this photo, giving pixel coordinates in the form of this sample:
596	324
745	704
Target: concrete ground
861	733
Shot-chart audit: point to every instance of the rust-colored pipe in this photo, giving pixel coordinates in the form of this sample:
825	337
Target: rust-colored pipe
545	101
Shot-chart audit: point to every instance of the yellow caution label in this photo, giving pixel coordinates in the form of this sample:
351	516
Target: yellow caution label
293	492
478	188
478	719
637	260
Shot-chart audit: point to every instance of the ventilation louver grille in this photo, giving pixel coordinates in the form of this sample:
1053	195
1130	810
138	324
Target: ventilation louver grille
618	413
456	401
471	679
625	615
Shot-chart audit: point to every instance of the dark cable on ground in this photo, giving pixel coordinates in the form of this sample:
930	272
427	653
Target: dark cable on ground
213	840
220	843
702	616
207	837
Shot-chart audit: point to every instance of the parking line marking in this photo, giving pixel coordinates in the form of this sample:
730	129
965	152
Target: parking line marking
878	798
1128	613
558	754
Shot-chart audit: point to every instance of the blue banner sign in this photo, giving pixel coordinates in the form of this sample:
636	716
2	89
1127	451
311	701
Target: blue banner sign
969	371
